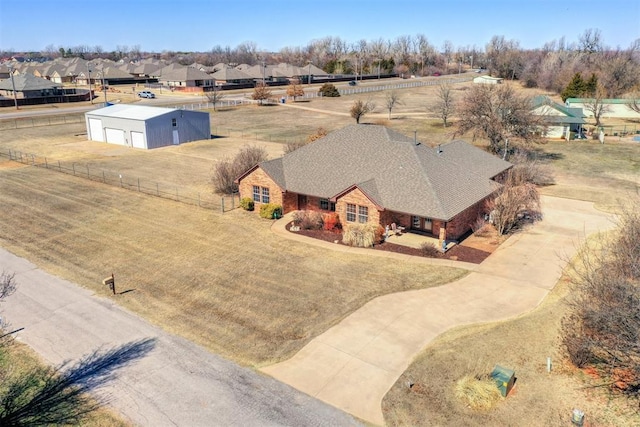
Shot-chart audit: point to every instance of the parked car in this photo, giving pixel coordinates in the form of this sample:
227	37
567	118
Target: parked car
146	94
353	83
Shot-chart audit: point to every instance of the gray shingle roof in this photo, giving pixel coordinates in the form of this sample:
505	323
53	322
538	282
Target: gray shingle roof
183	74
24	82
394	171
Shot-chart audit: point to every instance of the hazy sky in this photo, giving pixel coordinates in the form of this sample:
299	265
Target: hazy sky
198	25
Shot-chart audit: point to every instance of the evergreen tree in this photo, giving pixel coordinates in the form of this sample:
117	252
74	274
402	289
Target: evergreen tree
576	88
591	85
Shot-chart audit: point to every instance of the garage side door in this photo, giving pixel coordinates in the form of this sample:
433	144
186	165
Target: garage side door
137	139
114	136
95	127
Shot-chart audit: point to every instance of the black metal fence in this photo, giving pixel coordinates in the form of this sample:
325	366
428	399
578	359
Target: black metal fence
205	200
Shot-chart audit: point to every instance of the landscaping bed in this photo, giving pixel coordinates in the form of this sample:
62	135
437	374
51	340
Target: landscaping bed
473	249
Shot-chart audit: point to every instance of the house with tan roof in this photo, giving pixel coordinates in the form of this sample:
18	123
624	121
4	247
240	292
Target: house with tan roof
185	79
369	173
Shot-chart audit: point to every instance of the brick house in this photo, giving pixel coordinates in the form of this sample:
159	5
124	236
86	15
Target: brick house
369	173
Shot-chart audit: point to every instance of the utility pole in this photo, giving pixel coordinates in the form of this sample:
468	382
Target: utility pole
13	86
90	91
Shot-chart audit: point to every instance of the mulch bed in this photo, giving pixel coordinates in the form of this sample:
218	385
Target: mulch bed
458	252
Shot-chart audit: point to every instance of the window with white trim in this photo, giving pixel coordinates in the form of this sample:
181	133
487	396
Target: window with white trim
351	212
256	193
363	214
265	195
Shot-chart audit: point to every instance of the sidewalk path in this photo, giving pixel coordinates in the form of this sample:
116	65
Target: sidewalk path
177	384
355	363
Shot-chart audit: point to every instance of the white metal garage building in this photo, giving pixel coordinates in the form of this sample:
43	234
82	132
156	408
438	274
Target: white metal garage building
141	126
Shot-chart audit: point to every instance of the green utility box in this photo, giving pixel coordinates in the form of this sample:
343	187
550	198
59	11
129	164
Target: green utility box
504	378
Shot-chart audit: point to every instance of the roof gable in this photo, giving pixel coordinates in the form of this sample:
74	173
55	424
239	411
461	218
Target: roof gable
393	170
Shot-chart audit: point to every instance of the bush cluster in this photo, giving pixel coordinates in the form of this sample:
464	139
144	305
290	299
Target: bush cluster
270	211
329	90
308	220
362	235
602	327
429	250
247	203
331	222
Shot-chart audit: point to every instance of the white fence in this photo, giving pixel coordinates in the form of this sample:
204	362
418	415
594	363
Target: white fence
228	103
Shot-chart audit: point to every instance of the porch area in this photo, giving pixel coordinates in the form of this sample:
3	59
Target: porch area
414	240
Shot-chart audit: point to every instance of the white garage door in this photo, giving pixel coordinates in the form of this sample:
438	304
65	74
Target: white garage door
114	136
95	127
137	140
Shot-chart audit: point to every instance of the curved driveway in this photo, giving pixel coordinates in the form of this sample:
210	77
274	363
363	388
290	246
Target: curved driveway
355	363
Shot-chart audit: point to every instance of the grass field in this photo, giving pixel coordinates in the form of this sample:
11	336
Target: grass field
539	398
227	282
223	280
17	359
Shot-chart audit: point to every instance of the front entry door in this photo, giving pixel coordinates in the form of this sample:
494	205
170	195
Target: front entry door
302	202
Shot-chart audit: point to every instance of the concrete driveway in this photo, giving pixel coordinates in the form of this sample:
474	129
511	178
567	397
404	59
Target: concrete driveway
177	384
355	363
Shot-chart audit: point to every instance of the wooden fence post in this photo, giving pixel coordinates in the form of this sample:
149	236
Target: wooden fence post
222	203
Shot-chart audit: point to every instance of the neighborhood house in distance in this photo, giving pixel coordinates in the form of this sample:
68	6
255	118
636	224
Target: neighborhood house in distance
369	173
146	127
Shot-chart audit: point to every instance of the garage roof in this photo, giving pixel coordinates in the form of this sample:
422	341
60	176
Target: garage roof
127	111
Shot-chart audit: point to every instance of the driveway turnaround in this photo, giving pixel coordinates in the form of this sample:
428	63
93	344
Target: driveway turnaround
355	363
176	384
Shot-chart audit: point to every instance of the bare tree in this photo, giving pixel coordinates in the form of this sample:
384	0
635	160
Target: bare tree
444	106
602	327
516	202
7	284
634	105
293	146
295	89
498	113
7	287
596	106
215	96
261	93
391	100
359	108
591	41
225	171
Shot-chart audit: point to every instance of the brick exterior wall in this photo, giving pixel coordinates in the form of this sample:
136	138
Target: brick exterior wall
289	202
455	228
462	222
260	178
356	197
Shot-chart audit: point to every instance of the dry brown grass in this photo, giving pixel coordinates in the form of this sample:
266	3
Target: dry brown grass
224	281
17	358
478	392
538	398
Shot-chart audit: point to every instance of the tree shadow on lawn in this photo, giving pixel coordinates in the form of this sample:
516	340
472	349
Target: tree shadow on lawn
46	395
